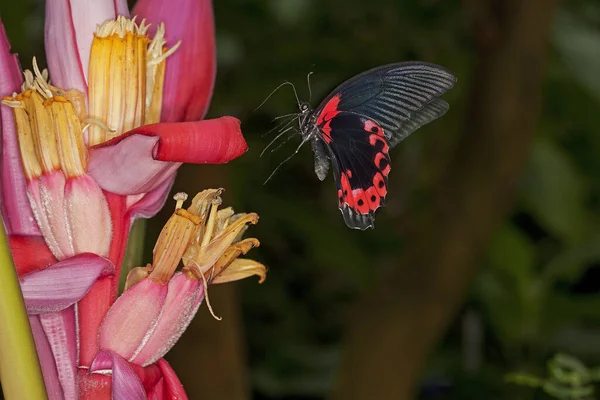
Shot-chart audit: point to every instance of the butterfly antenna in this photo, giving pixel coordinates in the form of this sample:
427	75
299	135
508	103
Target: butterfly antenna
309	89
286	160
273	141
276	89
295	94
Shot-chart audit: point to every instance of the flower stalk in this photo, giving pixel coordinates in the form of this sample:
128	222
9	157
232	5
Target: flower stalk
20	371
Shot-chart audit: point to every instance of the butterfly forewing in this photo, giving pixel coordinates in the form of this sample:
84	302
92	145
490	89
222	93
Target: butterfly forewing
401	97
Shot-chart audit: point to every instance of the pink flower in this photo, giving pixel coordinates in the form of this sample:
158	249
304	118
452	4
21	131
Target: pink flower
83	156
158	304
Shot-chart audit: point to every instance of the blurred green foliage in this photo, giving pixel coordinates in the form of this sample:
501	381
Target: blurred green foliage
538	289
568	379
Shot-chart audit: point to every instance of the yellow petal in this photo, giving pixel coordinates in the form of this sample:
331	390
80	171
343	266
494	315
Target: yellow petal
210	253
29	160
233	252
242	268
172	243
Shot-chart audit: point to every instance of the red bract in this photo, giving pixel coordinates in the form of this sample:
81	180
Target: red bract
83	156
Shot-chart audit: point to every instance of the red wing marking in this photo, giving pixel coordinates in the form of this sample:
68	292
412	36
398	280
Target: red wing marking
373	198
378	158
373	139
386	170
346	190
357	199
326	129
329	111
372	127
382	163
362	205
379	184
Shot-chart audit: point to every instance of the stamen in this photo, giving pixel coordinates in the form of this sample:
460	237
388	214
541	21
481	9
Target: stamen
98	123
180	198
210	226
155	66
162	57
27	81
121	26
40	82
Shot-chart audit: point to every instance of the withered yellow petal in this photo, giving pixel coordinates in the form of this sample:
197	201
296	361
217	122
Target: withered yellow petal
242	268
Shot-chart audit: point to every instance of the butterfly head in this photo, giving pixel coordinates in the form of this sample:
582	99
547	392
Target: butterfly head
304	107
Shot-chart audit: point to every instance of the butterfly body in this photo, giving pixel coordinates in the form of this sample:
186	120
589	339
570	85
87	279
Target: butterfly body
354	128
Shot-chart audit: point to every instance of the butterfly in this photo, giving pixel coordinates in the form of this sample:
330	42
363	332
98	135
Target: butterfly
357	124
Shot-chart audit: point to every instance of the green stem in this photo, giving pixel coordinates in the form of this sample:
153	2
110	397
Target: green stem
134	253
20	371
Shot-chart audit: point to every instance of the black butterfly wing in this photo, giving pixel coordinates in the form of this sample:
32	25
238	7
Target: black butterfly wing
400	97
358	151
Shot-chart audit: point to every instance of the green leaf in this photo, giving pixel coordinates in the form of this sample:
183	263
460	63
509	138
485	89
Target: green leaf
512	253
572	262
554	192
579	46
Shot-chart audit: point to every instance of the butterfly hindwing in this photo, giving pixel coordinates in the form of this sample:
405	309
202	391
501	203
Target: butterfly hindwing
359	153
401	97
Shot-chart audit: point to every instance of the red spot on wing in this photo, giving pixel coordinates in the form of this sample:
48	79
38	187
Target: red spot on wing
379	184
362	205
372	127
378	158
373	139
382	162
373	198
386	170
346	194
324	120
349	173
